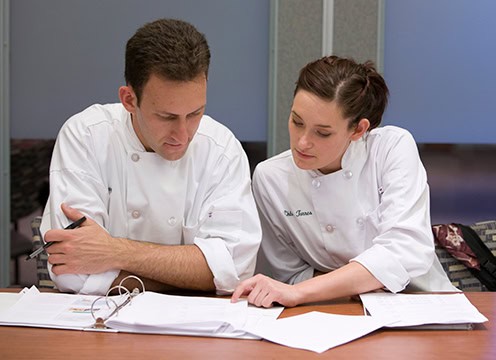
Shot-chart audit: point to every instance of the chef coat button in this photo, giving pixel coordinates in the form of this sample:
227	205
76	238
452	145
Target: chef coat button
348	174
172	221
359	222
135	214
135	157
316	183
329	228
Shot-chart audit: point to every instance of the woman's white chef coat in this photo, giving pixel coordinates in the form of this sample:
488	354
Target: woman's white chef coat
100	167
375	211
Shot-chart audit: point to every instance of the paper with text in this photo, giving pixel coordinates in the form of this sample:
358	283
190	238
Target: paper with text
50	310
420	309
157	313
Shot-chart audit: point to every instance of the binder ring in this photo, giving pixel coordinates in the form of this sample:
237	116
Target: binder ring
99	321
135	290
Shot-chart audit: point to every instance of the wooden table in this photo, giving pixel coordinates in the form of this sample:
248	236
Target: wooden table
480	343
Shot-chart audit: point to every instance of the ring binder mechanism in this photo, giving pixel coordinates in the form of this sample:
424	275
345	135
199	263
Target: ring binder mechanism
113	307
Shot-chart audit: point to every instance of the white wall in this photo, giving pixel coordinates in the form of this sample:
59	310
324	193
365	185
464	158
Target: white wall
439	64
68	54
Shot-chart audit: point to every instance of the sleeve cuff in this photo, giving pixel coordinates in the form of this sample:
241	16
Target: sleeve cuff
384	267
221	264
97	284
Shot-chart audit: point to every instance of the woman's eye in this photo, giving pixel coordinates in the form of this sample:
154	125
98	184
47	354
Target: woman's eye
323	134
297	123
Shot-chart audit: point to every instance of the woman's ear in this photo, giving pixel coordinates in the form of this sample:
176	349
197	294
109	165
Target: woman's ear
128	98
361	128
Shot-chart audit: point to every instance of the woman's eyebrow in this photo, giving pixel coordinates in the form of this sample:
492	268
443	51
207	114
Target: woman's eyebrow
326	126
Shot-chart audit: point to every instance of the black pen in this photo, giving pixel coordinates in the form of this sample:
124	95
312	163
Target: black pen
74	225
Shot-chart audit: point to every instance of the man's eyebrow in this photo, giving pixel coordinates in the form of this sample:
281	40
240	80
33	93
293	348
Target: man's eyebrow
318	125
165	113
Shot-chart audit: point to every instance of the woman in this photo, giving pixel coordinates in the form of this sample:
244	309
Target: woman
349	201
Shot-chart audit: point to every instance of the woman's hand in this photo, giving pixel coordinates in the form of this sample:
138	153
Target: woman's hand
264	291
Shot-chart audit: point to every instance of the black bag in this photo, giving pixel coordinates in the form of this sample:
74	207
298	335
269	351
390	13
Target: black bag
487	273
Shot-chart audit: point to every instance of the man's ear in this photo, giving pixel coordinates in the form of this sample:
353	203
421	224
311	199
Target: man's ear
361	128
128	98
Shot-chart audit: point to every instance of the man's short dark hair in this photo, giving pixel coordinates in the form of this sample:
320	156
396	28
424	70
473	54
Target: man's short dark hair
169	48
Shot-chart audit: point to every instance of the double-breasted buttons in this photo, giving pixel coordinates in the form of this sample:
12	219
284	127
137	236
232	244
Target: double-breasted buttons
329	228
316	183
348	174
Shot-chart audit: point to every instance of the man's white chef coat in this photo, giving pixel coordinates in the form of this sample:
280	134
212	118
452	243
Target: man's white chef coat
375	211
100	167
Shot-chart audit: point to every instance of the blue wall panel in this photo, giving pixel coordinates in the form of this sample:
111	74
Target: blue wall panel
68	54
439	64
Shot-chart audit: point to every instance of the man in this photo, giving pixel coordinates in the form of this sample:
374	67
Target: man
165	188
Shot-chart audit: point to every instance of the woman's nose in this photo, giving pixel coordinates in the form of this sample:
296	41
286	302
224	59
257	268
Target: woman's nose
304	142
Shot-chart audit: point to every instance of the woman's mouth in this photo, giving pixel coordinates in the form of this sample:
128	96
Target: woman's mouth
303	155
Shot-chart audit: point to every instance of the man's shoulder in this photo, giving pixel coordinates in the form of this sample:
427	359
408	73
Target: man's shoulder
212	133
97	114
214	129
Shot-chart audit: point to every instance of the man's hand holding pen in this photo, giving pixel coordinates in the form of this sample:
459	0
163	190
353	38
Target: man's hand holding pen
71	226
89	249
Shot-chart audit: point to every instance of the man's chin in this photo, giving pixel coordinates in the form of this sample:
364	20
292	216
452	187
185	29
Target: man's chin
173	155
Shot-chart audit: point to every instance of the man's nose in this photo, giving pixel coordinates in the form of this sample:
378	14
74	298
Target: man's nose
180	132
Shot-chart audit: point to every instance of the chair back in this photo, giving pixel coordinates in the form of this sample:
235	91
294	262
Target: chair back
44	280
459	274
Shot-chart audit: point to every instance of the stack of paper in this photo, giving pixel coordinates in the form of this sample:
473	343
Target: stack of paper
426	311
165	314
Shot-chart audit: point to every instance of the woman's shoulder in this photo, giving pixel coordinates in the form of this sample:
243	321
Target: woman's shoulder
389	135
280	162
390	131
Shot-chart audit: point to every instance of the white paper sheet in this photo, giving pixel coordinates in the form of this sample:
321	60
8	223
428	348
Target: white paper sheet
420	309
7	300
316	331
157	313
56	310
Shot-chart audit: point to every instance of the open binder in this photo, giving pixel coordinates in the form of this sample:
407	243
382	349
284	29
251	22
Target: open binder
137	311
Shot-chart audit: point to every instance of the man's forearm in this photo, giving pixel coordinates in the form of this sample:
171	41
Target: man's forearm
173	266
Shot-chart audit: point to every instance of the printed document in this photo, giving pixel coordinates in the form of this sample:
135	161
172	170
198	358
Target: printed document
422	309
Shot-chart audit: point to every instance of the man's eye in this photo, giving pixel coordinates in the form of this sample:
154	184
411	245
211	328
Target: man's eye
166	117
195	114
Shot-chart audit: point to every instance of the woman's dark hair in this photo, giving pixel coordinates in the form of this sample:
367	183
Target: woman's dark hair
358	89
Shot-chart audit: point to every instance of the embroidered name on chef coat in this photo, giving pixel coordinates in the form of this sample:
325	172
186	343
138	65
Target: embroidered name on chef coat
297	213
